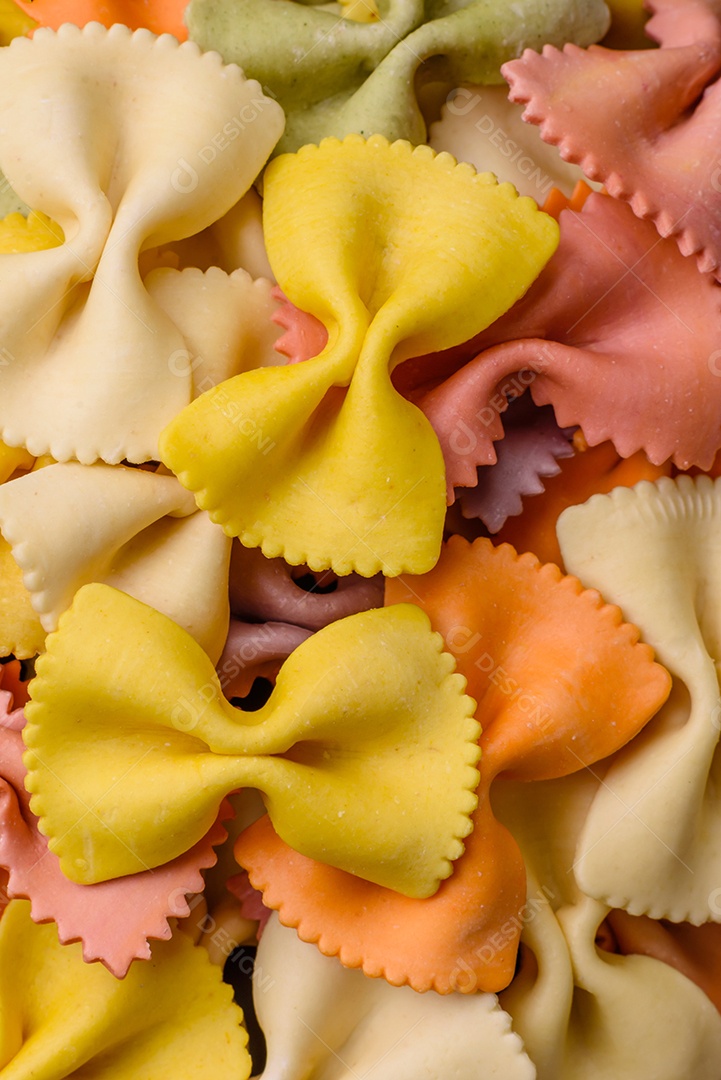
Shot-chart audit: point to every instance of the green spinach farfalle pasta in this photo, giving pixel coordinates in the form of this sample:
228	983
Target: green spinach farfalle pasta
334	76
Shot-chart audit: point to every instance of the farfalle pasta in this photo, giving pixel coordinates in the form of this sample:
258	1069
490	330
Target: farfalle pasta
579	1009
311	750
113	920
659	159
616	334
348	1022
560	683
416	302
335	75
648	844
87	343
135	530
357	234
63	1018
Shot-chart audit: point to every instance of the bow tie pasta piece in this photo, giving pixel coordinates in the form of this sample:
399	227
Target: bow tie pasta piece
324	462
113	919
592	470
370	1027
620	333
334	76
135	530
528	455
580	1010
62	1018
366	724
561	682
120	170
651	840
653	142
225	320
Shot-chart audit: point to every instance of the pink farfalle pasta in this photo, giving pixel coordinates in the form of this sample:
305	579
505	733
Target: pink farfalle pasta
649	142
561	682
528	455
269	589
114	920
616	334
255	651
91	347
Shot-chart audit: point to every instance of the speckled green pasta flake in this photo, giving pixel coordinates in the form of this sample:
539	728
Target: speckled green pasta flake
334	76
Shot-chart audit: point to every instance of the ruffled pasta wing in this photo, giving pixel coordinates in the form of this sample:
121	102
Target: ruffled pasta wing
135	530
324	462
89	372
320	1020
580	1010
618	333
560	683
63	1018
652	142
114	919
140	779
651	841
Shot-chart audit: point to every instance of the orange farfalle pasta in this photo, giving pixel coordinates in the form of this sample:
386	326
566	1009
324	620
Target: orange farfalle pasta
561	682
324	462
160	16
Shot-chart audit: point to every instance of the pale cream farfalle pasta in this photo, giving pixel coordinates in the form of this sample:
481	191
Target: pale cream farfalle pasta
583	1012
323	1021
69	525
129	142
652	840
479	124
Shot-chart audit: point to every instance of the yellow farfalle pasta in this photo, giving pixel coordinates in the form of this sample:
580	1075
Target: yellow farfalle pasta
60	1017
365	752
399	252
19	234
